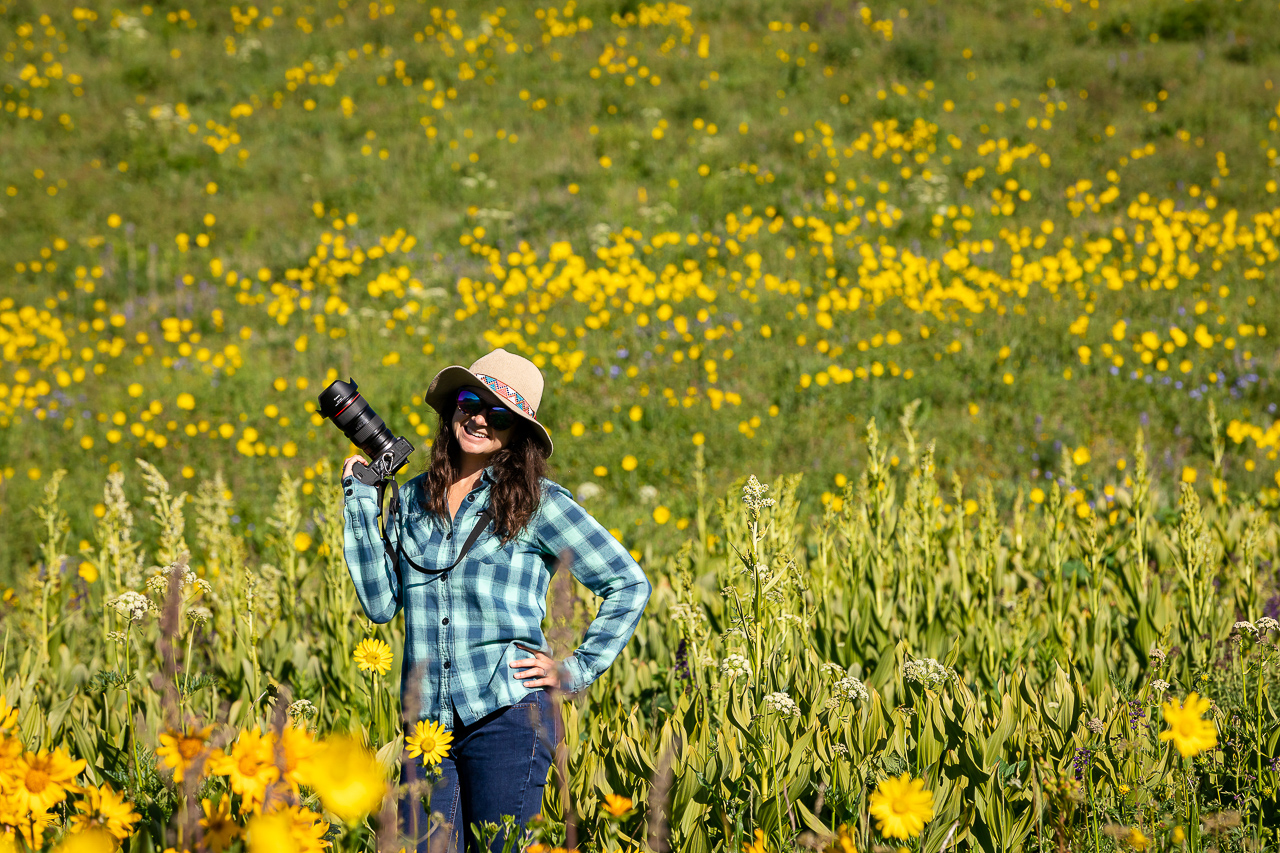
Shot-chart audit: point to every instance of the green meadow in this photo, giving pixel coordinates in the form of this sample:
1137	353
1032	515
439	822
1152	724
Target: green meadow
979	288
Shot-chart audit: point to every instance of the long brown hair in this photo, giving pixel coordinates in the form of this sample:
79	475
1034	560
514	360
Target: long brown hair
518	470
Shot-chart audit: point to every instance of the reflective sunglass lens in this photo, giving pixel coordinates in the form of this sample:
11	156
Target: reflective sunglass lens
498	417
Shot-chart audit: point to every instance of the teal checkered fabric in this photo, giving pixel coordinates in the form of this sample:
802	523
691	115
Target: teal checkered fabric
462	627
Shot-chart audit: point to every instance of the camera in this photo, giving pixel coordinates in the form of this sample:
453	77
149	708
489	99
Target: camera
341	402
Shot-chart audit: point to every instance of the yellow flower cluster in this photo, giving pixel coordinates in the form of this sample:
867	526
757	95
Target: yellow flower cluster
34	784
847	254
267	772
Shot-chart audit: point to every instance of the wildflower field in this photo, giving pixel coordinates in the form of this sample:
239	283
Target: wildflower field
920	352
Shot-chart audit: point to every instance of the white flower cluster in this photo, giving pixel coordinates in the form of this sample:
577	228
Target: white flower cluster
189	577
302	709
850	689
648	494
200	615
735	666
782	704
841	749
158	584
589	491
833	670
692	616
1246	628
1266	623
1160	685
926	672
753	495
132	605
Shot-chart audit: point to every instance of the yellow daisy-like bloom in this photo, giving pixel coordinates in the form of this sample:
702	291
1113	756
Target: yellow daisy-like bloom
180	750
901	807
757	846
250	767
42	779
431	741
308	830
103	808
269	833
844	841
373	655
617	806
295	829
219	827
1137	840
8	716
348	778
33	826
1190	734
90	841
298	750
11	750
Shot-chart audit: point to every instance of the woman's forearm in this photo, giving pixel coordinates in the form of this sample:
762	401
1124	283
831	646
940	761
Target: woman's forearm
602	565
372	570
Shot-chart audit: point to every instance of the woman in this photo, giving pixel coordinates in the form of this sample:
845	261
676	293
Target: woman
474	658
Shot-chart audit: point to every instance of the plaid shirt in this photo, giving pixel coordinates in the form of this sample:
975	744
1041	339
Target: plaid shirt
461	627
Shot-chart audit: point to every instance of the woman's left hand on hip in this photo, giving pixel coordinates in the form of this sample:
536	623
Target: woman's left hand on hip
541	670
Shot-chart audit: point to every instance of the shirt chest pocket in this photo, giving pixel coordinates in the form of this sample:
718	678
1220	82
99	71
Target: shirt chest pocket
419	536
514	566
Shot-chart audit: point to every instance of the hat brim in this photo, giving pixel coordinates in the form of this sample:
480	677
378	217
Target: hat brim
445	384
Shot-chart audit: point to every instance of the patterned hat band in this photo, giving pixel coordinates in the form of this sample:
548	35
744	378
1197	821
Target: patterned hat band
504	390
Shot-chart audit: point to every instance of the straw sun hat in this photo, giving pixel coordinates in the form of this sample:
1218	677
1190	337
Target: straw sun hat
504	378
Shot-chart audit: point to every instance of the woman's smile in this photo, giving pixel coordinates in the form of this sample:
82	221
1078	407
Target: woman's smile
475	435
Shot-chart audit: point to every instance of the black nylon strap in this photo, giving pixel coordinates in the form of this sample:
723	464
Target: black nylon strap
482	521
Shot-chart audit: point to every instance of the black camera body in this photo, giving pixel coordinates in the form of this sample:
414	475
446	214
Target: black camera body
341	402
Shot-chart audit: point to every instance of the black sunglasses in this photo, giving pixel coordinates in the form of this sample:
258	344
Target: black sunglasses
498	417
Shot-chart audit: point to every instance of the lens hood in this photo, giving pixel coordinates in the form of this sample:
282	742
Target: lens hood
337	397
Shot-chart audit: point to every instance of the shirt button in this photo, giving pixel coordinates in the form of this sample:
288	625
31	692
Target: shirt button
446	664
471	497
348	492
448	536
444	621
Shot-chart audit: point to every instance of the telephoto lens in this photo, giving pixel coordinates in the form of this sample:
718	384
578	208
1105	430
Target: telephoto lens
341	402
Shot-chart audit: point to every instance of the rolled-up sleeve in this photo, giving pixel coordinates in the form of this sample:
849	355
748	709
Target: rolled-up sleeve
371	567
606	568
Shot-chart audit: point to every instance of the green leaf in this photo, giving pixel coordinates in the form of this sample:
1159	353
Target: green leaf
56	715
388	756
994	746
809	819
798	750
740	718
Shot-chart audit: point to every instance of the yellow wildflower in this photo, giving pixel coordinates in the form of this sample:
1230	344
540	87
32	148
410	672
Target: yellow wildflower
901	807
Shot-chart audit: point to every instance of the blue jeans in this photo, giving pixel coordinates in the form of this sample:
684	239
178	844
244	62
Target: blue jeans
496	766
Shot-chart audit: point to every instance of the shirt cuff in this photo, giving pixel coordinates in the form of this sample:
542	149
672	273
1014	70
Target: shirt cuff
353	489
575	678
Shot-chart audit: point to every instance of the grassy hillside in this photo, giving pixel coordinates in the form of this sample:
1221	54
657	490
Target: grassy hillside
754	225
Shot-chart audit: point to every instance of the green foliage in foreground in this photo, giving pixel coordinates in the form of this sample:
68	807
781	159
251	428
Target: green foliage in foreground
781	670
994	143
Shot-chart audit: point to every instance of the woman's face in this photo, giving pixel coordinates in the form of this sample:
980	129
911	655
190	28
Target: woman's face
475	436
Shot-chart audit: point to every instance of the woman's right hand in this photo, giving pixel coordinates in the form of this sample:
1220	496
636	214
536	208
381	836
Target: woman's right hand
352	460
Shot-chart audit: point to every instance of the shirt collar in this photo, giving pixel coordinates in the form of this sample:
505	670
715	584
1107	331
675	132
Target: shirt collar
487	474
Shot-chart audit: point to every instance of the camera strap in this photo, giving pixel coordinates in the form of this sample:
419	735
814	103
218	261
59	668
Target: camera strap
482	521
